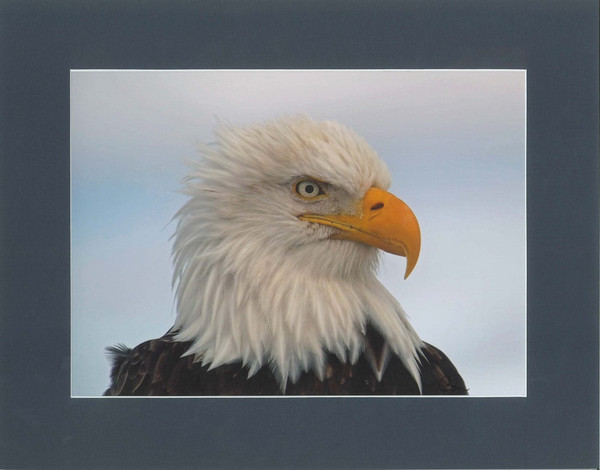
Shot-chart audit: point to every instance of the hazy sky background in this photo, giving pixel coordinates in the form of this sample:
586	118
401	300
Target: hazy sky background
453	140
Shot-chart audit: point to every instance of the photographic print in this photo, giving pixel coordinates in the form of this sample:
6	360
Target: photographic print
298	232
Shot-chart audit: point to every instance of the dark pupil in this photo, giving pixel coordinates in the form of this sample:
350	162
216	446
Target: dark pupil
309	188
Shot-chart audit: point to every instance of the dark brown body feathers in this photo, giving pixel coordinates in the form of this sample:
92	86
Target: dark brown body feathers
156	367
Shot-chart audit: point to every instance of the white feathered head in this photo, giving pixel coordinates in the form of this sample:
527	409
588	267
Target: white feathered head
276	250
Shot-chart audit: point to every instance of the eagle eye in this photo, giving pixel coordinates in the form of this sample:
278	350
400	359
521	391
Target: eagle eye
309	189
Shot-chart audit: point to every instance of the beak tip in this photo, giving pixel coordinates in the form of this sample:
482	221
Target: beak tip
411	262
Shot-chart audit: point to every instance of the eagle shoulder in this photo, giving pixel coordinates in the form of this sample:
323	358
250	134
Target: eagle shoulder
438	375
159	367
154	367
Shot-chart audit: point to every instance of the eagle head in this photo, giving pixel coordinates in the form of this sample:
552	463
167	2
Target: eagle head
276	250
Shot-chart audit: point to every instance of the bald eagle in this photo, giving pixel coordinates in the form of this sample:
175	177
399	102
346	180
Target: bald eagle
275	256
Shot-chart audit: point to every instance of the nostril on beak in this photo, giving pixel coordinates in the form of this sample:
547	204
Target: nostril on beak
377	206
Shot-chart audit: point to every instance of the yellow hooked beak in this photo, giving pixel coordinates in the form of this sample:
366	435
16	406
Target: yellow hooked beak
384	222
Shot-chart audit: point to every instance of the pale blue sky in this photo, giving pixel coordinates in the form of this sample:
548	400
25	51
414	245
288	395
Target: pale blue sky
453	140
